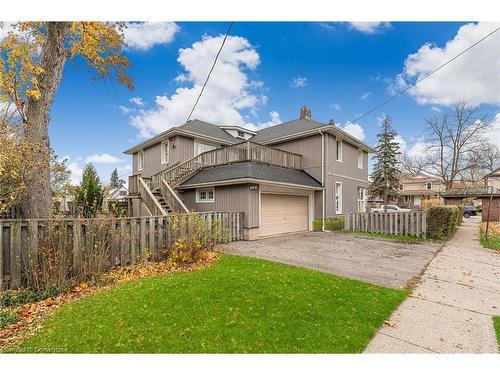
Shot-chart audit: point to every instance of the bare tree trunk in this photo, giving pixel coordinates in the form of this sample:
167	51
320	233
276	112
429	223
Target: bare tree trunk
38	201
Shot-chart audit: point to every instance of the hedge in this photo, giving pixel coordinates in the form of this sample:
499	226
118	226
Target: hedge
442	222
330	224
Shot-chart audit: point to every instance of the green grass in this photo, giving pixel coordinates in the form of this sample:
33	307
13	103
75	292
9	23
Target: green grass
496	323
239	305
408	239
493	241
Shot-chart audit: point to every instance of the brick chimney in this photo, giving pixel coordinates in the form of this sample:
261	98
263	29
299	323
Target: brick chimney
305	112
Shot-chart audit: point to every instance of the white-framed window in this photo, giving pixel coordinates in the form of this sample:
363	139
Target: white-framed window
140	160
338	197
165	152
200	148
338	150
401	187
429	186
361	194
205	195
241	134
360	158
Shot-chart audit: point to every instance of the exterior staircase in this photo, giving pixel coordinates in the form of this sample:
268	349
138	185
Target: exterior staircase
159	191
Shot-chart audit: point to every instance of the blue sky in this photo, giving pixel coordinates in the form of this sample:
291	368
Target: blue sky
266	72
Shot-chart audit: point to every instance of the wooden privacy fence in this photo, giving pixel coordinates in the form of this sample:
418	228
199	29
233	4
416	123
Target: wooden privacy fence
122	241
399	223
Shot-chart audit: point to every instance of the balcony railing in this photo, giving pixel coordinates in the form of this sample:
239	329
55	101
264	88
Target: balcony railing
245	151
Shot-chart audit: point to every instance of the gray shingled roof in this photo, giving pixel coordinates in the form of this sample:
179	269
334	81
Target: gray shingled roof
253	170
287	128
209	130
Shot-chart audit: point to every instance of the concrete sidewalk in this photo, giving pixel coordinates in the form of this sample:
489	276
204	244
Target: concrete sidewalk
451	310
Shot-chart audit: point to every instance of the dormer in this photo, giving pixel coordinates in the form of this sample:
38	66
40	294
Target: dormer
238	132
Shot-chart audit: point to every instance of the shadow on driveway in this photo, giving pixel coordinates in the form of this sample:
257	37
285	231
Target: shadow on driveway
378	261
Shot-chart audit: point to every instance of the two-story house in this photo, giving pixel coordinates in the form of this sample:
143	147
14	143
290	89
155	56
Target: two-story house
282	177
415	188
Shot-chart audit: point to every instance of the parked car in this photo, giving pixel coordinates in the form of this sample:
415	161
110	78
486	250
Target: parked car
391	208
470	211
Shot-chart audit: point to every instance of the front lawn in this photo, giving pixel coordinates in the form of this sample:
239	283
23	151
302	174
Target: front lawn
496	323
493	241
239	305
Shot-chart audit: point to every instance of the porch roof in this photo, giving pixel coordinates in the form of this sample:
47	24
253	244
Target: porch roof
250	171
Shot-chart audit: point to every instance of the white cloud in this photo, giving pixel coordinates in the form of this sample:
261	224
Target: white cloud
137	100
473	77
436	109
125	110
144	35
492	133
228	92
124	169
298	82
402	143
365	95
355	130
370	27
336	106
102	159
274	120
4	30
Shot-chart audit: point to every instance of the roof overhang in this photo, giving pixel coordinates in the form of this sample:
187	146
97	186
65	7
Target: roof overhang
330	129
245	180
175	131
239	128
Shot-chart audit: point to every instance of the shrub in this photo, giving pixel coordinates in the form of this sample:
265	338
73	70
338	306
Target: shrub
195	237
7	317
24	296
426	203
330	224
443	221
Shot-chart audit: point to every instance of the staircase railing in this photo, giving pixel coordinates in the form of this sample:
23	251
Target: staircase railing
149	199
172	199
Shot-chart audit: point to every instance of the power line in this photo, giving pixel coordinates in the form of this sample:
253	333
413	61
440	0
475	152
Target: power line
421	79
211	69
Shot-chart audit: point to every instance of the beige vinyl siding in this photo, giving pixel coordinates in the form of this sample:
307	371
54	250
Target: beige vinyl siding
283	214
230	198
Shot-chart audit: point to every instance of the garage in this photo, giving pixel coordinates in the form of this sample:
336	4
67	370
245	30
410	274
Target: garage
282	214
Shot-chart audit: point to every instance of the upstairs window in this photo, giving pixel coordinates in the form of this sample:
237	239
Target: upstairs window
165	152
338	148
140	160
360	159
429	186
200	148
401	187
205	195
241	134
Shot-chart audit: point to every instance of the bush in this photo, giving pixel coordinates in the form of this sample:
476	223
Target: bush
330	224
427	203
7	317
22	297
442	222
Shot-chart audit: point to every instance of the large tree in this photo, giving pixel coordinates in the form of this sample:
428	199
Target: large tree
32	59
116	181
453	140
385	175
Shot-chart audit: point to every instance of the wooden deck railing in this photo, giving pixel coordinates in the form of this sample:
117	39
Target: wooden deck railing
149	199
245	151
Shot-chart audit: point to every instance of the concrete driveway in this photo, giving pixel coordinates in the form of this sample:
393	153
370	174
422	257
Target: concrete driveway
382	262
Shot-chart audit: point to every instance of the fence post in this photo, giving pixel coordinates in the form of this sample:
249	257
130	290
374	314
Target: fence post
1	256
424	225
15	253
133	235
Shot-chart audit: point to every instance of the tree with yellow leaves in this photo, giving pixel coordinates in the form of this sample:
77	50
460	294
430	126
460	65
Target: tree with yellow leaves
32	59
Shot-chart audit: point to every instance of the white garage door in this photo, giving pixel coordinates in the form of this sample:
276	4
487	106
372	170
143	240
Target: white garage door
283	214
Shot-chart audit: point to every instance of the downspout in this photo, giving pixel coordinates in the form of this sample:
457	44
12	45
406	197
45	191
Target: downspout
323	203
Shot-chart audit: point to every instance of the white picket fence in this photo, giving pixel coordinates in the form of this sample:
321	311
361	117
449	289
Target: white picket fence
398	223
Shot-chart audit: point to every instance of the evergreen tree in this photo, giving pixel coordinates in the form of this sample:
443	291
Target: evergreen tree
89	195
115	181
385	175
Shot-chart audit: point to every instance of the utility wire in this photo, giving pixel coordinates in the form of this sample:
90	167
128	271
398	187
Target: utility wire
421	79
211	69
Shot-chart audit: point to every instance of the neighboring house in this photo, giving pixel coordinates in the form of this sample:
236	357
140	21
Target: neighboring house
114	198
493	179
282	177
415	188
